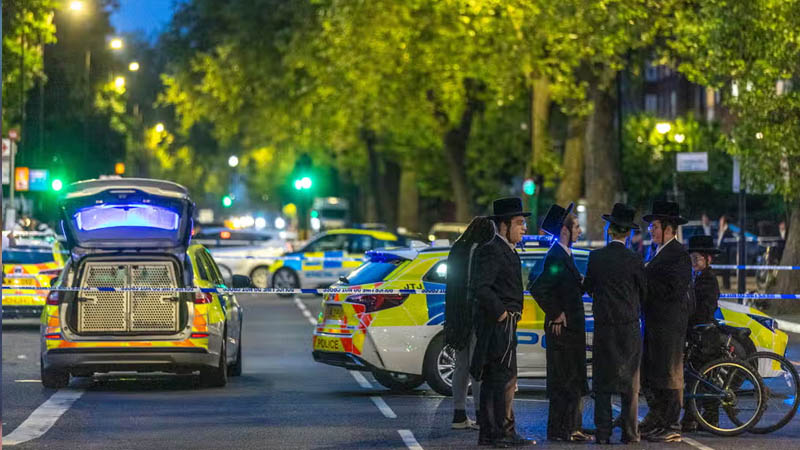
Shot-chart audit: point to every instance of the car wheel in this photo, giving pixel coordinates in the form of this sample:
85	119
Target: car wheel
216	376
398	381
53	379
260	277
440	364
236	369
285	278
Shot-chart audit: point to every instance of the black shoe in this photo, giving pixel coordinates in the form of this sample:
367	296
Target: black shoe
664	435
558	437
630	441
644	432
689	426
516	440
579	436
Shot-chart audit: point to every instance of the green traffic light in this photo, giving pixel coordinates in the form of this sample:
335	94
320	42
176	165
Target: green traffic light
314	214
227	201
529	187
303	183
57	185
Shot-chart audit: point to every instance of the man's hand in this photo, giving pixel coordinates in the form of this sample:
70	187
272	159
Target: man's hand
503	317
558	324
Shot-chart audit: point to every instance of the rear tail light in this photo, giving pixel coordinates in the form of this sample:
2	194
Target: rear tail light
52	336
53	299
377	302
198	335
203	298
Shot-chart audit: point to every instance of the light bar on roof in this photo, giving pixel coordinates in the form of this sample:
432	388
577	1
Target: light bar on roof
126	215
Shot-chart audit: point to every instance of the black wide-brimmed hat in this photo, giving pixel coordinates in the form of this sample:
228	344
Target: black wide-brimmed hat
702	244
621	216
665	211
554	219
508	207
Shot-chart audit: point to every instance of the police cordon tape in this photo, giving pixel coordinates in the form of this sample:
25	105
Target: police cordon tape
316	291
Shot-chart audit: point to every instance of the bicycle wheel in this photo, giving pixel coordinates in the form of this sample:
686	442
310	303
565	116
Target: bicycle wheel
726	397
780	390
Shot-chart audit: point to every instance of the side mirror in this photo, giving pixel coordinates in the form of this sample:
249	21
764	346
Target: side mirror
241	282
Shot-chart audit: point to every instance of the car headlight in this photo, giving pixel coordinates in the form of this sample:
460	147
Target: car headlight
767	322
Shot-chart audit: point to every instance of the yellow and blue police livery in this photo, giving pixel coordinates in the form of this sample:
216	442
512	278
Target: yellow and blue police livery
399	336
327	257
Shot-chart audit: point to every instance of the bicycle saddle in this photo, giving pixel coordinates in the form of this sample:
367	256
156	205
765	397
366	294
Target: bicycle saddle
740	333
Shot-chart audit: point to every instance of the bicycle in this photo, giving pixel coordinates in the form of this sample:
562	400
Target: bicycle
725	396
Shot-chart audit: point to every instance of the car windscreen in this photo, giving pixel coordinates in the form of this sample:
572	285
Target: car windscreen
373	272
326	213
27	255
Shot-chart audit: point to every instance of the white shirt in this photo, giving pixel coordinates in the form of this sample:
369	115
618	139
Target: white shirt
665	244
566	249
617	240
510	245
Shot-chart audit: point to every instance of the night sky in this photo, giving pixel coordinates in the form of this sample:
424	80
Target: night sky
148	16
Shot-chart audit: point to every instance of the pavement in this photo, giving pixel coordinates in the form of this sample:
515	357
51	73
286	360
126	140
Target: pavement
282	400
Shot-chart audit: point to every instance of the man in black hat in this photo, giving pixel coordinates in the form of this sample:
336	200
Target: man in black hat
706	295
558	290
615	279
497	288
669	276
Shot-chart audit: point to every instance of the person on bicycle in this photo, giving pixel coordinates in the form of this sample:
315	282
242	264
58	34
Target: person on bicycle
615	279
706	294
669	277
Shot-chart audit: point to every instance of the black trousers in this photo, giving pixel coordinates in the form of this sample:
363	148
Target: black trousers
629	417
497	394
564	416
665	408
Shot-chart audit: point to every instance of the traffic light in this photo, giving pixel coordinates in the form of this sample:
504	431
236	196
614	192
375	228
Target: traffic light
57	185
227	201
529	187
303	183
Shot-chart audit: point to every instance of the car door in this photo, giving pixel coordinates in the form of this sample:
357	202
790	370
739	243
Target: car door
530	329
322	260
229	303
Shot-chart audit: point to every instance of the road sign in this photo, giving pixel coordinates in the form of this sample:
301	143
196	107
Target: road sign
39	180
6	161
21	179
692	162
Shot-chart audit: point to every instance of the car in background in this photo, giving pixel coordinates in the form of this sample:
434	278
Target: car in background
329	213
328	257
400	339
446	230
33	261
244	252
135	233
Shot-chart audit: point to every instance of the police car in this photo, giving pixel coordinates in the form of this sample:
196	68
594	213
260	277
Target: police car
33	261
400	339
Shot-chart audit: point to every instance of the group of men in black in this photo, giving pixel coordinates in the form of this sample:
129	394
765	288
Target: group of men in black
484	303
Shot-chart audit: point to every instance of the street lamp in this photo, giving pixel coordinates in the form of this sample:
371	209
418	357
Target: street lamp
116	44
133	66
663	127
679	138
119	82
233	161
76	5
159	127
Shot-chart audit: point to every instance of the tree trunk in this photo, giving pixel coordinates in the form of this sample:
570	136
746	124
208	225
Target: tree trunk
571	187
540	107
788	281
392	173
601	169
408	200
374	210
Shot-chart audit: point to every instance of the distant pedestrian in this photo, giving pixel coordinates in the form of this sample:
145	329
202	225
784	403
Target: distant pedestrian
459	332
559	290
728	249
616	281
498	290
669	276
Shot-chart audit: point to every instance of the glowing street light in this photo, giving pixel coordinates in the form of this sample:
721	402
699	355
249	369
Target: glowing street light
759	135
76	5
159	127
116	44
133	66
663	127
233	161
679	138
119	82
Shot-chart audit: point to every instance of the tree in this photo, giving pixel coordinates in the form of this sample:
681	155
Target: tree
749	50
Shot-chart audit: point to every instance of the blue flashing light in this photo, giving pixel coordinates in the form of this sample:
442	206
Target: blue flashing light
379	256
126	215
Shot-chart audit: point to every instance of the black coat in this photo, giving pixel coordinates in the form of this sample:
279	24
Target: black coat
669	277
706	294
615	279
497	286
558	289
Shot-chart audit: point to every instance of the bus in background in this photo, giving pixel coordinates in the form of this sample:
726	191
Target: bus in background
330	212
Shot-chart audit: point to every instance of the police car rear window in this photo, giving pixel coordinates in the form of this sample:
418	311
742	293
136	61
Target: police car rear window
27	256
373	272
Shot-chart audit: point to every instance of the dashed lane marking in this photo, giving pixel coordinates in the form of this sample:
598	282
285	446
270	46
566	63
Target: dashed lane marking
409	439
44	417
360	379
27	381
305	311
383	407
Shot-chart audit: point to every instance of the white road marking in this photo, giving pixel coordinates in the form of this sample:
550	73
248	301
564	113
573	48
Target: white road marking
409	439
696	444
387	412
360	379
27	381
305	310
44	417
